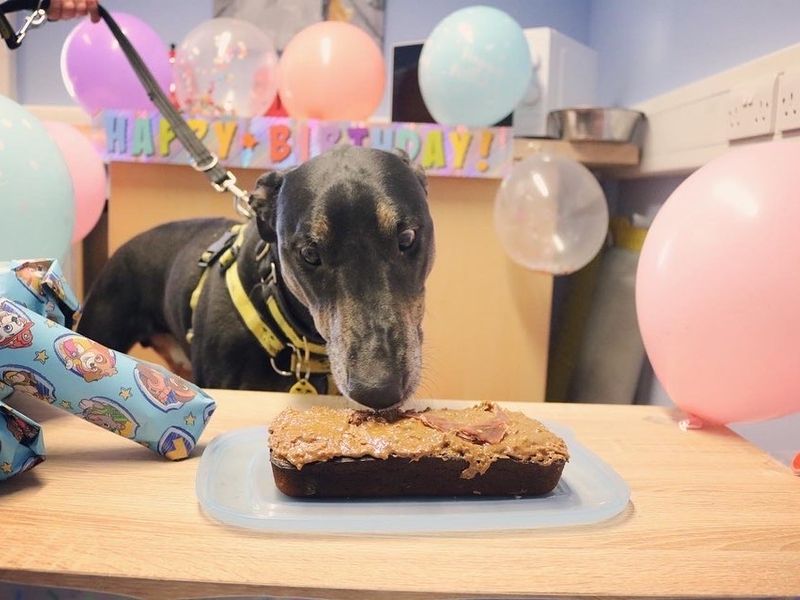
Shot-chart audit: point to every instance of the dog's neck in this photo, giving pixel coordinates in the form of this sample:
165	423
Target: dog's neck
254	267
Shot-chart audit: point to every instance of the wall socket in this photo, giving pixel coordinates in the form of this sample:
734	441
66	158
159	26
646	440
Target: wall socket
787	106
751	109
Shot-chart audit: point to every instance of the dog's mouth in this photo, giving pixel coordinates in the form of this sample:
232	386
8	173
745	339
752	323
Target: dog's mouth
379	380
387	391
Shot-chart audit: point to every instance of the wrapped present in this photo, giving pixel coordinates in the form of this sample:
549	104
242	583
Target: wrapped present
41	357
40	286
21	443
135	399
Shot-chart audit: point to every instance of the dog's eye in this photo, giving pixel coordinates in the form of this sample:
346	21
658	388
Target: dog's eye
406	239
310	254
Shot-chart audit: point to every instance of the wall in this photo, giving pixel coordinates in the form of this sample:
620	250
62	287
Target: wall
648	48
39	73
411	20
38	60
645	48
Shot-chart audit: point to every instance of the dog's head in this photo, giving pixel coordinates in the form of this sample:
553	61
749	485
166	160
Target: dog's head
355	242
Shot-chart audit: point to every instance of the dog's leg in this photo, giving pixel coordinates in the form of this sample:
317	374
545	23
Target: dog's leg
111	312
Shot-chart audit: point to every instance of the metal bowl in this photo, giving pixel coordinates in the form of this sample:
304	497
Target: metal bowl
594	124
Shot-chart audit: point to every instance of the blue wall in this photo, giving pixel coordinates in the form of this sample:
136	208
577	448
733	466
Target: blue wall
648	48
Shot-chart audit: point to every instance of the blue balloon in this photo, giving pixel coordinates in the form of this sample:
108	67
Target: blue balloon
36	197
475	67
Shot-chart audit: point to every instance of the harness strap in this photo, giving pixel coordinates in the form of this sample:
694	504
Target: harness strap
252	320
290	332
273	337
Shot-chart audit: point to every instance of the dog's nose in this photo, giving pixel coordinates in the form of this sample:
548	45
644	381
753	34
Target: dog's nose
385	394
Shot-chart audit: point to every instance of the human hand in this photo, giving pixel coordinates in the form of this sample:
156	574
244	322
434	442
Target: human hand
68	9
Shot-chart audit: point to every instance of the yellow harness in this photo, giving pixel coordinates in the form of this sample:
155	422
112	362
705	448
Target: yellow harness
307	358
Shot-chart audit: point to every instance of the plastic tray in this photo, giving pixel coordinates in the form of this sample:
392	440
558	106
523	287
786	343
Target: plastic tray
235	486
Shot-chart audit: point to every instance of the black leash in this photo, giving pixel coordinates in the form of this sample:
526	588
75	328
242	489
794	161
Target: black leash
203	159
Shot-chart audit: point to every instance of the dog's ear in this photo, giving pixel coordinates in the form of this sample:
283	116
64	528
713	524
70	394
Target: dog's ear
264	200
418	170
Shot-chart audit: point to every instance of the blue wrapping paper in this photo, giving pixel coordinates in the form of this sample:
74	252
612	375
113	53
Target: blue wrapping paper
40	286
135	399
41	357
21	442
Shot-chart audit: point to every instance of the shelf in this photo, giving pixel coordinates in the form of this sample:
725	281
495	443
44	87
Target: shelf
596	155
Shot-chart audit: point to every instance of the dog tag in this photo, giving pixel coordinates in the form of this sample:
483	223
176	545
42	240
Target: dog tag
303	386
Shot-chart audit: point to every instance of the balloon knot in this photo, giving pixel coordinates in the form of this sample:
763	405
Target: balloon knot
690	422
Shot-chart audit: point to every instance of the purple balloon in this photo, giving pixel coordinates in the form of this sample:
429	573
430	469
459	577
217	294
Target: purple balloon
96	72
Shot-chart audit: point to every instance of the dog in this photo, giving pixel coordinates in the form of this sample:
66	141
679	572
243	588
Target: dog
344	243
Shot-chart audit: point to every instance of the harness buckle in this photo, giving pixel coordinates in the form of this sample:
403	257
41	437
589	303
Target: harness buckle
215	250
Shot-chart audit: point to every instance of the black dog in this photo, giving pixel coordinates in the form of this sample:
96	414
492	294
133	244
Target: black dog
335	259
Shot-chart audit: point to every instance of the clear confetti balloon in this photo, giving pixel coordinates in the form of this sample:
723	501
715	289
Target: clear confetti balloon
550	214
226	67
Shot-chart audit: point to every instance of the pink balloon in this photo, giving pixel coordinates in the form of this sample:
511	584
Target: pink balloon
88	174
97	74
718	289
331	70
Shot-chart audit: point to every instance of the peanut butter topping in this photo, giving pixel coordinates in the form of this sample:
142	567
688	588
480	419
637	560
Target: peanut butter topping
480	435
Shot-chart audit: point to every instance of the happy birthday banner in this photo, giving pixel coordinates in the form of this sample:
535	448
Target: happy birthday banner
279	143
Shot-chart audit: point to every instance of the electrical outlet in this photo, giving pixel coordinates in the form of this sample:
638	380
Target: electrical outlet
751	109
788	104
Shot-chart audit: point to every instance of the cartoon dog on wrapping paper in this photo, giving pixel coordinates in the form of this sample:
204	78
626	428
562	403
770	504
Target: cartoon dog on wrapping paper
106	414
28	382
85	358
162	387
22	431
15	327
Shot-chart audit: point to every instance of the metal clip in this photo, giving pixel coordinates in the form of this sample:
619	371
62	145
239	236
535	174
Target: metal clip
34	19
241	198
301	360
213	162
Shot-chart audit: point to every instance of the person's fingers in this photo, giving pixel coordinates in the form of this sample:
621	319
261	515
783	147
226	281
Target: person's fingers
94	12
54	12
80	8
68	9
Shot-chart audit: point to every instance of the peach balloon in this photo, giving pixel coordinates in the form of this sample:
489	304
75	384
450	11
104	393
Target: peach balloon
718	289
331	70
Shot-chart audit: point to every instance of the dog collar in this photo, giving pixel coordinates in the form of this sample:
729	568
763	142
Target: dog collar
274	328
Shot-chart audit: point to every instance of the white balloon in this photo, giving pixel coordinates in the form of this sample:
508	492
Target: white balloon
550	214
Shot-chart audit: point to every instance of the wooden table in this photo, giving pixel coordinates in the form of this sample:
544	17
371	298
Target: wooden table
710	515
